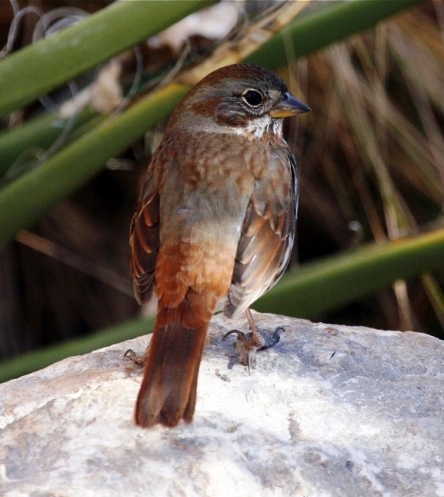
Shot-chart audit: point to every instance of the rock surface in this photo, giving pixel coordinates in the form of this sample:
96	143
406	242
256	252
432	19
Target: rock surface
330	411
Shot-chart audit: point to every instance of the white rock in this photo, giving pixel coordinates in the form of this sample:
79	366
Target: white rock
330	411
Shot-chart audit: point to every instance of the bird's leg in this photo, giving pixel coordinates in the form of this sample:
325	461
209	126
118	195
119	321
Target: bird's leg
257	339
248	344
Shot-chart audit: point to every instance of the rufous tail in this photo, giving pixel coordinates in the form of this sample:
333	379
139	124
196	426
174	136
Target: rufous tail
168	391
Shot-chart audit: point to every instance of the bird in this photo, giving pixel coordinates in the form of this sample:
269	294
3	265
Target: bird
214	225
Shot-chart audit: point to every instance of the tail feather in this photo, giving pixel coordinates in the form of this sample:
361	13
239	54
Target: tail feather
168	391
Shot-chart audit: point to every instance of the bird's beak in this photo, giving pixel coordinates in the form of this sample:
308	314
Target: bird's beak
288	106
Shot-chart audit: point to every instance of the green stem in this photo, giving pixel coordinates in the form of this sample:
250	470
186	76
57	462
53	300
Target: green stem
29	197
321	287
39	359
317	28
57	59
36	136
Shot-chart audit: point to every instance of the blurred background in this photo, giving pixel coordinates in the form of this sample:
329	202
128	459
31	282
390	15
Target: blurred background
370	156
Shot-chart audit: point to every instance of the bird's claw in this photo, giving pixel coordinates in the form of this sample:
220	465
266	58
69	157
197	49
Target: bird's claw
270	342
137	359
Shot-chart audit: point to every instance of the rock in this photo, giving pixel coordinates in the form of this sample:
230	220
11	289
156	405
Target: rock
330	411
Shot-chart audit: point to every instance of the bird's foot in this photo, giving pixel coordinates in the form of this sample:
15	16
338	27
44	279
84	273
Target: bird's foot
137	359
247	344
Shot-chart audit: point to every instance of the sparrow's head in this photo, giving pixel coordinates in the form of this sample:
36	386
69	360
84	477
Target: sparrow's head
242	98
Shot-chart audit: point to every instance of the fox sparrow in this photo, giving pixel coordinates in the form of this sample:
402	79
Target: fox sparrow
214	225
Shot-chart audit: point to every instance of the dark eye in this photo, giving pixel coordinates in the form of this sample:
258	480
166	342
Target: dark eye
253	97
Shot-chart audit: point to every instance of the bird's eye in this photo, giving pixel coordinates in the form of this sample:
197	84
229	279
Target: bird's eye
253	97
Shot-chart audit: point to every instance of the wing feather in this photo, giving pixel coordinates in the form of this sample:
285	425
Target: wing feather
144	242
267	236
